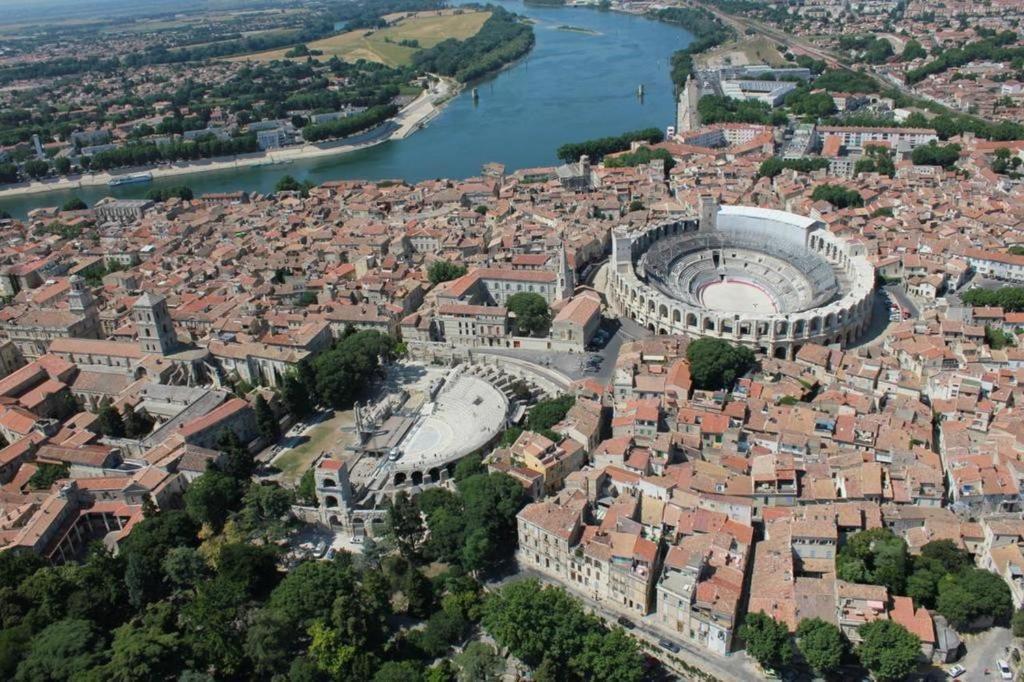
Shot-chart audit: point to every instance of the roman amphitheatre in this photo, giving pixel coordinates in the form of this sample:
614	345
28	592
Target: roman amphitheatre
767	279
385	45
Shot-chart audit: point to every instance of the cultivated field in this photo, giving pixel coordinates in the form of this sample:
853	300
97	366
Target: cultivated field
427	28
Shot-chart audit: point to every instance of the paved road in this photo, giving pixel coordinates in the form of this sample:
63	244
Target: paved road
983	651
896	291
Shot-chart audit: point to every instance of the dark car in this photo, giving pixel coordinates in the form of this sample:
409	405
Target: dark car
670	646
625	622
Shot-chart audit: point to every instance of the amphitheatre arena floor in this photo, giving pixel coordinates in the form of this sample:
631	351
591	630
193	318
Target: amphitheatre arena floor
737	296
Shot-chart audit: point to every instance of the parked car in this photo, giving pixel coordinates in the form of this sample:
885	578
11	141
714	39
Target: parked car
625	622
668	645
1004	670
956	671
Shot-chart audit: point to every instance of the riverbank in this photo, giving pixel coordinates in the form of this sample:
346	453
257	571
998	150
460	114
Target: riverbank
411	118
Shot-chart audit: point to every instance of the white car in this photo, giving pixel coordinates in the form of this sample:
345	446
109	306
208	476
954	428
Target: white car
1004	670
956	671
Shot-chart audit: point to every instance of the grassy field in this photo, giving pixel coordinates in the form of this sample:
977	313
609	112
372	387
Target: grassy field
324	436
428	28
758	50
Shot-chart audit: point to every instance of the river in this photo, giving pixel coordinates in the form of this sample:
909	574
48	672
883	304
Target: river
572	86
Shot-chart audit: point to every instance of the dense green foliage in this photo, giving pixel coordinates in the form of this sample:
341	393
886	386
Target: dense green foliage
597	148
867	48
532	314
767	640
544	627
875	556
503	38
715	363
888	650
876	159
775	165
474	528
936	155
641	155
995	48
719	109
1010	299
971	595
349	125
74	204
47	474
707	30
344	371
843	80
822	645
147	153
838	196
804	101
444	271
176	192
913	50
549	412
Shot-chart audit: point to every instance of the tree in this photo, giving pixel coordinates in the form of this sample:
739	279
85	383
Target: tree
875	556
239	462
399	671
62	165
268	425
838	196
306	492
822	645
136	424
62	651
146	648
1018	623
610	657
953	559
109	422
211	497
716	364
933	154
549	412
913	50
540	624
296	397
47	474
479	663
888	650
972	595
36	168
74	204
263	508
444	271
144	549
184	568
767	640
404	526
532	315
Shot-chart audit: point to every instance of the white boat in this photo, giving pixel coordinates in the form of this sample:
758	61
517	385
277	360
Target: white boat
130	179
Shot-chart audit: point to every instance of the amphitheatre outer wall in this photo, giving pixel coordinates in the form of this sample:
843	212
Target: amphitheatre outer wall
835	308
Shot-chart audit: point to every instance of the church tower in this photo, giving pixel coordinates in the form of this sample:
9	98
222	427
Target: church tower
153	324
82	304
566	275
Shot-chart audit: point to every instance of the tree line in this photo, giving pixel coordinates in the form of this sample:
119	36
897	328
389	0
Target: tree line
707	30
1010	299
993	48
349	125
597	148
147	153
503	38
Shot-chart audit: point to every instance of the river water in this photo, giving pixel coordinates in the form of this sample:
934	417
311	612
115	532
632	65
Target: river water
572	86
